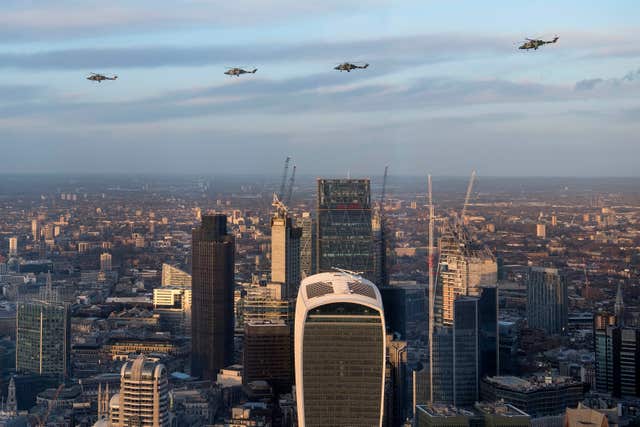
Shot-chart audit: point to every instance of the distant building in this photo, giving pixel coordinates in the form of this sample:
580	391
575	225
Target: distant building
213	251
264	303
105	262
173	304
541	231
307	244
43	335
547	300
339	351
583	416
344	230
143	399
13	246
267	354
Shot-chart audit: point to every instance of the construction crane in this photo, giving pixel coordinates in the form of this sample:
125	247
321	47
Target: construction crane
292	181
383	243
42	422
432	286
284	177
468	196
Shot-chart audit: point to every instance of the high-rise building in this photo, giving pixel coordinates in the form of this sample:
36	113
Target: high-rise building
43	335
465	267
397	381
35	230
265	303
13	246
212	315
143	399
172	276
541	231
267	354
307	244
340	351
343	230
105	262
466	351
285	250
547	300
617	357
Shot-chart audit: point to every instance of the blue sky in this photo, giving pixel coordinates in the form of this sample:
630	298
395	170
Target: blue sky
447	90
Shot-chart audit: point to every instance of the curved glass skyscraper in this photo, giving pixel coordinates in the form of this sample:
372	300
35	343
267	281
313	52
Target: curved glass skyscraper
339	351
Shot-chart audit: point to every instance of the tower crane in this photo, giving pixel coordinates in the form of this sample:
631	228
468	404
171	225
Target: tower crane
383	242
42	422
292	181
284	177
468	195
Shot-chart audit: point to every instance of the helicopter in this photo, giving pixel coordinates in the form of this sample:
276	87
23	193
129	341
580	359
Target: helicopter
536	43
348	67
99	77
234	71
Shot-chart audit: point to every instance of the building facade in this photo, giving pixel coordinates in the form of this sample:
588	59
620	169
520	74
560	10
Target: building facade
212	314
340	352
143	399
307	244
267	354
547	300
344	230
285	252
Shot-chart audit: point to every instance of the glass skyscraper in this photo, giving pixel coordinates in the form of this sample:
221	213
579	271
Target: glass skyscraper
547	300
344	230
340	352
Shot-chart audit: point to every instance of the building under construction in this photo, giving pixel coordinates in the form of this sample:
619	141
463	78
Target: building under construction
464	268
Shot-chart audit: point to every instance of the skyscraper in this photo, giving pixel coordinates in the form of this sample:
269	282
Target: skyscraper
143	399
285	250
307	244
465	267
339	351
547	300
13	246
213	286
43	335
344	233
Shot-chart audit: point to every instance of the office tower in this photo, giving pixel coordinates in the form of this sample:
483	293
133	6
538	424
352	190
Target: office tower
172	276
339	351
541	231
212	315
547	300
143	399
13	246
35	230
619	306
617	357
307	244
343	230
105	262
43	335
267	354
467	351
173	304
465	267
285	250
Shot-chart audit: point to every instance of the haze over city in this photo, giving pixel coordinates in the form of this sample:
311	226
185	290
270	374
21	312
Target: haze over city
447	90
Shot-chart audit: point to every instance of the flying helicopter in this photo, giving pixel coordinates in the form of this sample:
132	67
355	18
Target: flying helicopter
536	43
347	66
99	77
234	71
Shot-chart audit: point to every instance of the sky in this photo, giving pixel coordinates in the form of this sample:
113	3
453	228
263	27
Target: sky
447	90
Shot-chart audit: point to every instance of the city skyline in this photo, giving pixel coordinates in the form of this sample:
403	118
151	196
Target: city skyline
447	90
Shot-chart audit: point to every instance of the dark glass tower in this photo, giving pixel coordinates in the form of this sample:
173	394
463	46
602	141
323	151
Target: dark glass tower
212	309
344	233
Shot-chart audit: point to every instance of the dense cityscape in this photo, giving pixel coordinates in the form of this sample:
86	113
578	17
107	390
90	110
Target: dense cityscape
319	301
